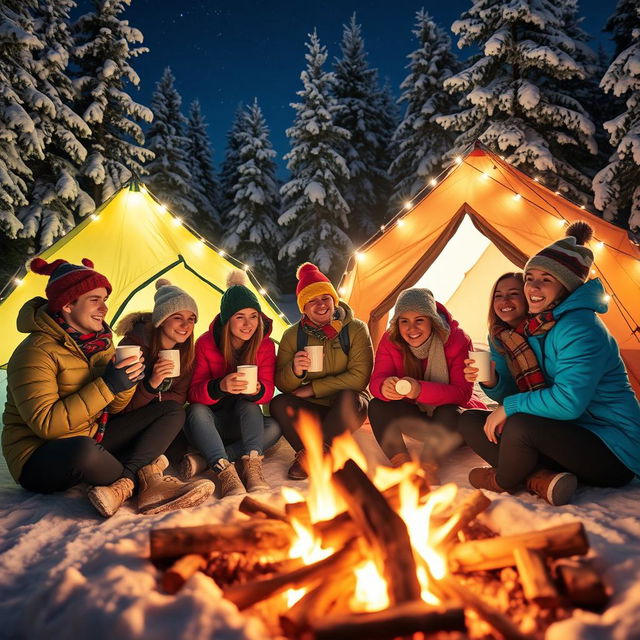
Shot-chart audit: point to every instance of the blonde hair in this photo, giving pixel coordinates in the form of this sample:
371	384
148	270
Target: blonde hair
247	353
492	318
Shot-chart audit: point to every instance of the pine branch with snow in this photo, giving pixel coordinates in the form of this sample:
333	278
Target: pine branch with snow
419	142
229	172
517	99
617	185
252	233
313	203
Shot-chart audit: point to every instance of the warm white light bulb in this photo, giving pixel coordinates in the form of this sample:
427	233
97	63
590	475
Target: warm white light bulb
433	182
17	281
342	291
517	196
359	256
607	297
407	205
458	160
382	227
177	222
162	208
262	292
94	216
401	222
221	253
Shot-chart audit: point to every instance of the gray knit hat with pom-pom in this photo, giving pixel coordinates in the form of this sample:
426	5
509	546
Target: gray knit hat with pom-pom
170	299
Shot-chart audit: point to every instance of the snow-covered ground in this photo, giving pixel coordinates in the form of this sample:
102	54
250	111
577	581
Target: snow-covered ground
65	572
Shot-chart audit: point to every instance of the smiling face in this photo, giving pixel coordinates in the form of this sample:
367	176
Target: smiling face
541	289
242	326
177	328
508	301
320	309
87	313
414	328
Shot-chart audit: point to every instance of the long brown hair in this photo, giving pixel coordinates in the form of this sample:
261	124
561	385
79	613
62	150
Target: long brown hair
492	318
412	365
186	349
248	352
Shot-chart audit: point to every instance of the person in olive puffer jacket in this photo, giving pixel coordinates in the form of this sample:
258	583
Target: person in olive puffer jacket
64	389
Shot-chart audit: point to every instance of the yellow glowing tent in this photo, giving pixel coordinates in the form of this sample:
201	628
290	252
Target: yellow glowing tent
134	240
484	217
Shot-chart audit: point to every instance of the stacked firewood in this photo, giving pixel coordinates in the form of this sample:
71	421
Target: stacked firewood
505	586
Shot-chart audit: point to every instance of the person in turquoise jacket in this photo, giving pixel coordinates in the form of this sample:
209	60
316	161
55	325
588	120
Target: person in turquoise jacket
583	418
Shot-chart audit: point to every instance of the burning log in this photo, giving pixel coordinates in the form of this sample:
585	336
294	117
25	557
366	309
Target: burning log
180	571
315	604
496	553
254	508
582	584
243	566
245	595
534	576
299	511
464	513
489	614
400	620
384	529
270	535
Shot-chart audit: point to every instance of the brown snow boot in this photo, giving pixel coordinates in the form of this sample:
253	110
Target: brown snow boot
251	472
555	487
230	483
108	499
485	478
297	470
191	465
159	493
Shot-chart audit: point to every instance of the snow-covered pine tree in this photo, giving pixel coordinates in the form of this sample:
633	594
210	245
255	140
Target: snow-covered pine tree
313	204
104	48
621	24
19	138
617	186
514	97
169	176
419	142
357	90
204	186
252	233
229	174
55	196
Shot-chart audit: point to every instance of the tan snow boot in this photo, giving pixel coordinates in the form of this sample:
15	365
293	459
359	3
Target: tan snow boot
108	499
251	472
230	482
158	493
191	465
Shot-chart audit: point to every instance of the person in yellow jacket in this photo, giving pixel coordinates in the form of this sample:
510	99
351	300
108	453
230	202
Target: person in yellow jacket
63	389
336	395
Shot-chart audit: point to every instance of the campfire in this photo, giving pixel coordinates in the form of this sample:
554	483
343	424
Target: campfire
376	553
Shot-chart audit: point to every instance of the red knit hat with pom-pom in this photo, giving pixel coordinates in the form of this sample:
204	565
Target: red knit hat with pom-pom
311	284
67	282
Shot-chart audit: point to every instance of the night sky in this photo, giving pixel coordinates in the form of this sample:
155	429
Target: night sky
225	53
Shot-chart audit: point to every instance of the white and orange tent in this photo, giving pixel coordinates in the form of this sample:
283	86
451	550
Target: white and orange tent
482	219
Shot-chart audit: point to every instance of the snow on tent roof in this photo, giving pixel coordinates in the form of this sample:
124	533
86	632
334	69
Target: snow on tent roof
134	240
519	216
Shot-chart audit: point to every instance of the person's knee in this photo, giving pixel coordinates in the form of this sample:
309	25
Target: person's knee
279	405
197	411
84	453
447	415
171	407
470	423
519	427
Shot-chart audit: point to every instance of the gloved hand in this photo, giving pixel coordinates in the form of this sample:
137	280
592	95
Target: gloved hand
117	378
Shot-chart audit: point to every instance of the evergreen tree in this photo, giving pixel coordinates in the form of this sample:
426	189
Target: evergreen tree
104	48
55	195
252	233
358	92
622	23
419	142
169	176
204	187
313	204
515	101
229	173
617	186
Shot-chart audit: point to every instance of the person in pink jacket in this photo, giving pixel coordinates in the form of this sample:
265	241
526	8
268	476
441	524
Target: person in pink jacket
224	420
418	380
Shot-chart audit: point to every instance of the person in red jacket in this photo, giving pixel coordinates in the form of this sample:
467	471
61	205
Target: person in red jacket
418	380
224	421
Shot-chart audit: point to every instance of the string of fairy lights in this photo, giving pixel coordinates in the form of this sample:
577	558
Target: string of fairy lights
597	245
135	187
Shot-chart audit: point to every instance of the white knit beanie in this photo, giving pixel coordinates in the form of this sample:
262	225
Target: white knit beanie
170	299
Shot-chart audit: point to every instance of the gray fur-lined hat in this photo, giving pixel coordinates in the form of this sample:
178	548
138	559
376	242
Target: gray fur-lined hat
421	301
170	299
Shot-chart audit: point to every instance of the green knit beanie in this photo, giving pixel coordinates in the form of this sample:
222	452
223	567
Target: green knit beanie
237	297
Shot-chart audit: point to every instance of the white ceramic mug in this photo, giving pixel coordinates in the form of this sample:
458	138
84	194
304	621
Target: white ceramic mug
250	372
316	353
482	361
125	351
174	356
403	387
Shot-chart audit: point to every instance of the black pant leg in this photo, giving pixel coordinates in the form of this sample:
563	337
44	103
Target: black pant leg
471	426
60	464
347	413
389	420
285	409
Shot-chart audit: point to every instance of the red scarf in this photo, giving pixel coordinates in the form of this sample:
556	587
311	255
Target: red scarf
89	343
324	332
521	359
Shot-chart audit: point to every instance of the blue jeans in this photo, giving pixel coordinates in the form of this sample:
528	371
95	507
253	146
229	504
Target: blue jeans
230	429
